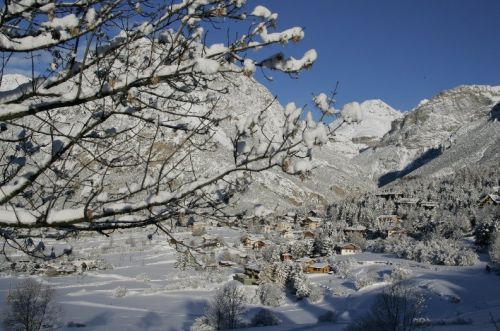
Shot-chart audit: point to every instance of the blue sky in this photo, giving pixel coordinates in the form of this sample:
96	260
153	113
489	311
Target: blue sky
400	51
394	50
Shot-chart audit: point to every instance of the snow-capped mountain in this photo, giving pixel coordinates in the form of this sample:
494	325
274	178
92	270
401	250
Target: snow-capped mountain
454	129
456	122
376	121
11	81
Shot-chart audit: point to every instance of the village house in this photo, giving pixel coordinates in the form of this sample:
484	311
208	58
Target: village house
309	235
250	276
490	200
318	268
390	195
285	224
259	244
286	257
311	223
286	234
384	222
396	231
267	228
429	205
250	240
348	249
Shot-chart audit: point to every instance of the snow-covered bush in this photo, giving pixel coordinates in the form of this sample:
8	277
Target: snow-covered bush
341	268
365	279
143	277
316	294
120	292
270	294
202	324
301	248
398	274
397	308
225	311
265	317
31	306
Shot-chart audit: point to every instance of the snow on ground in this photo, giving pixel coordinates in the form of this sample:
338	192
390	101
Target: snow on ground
160	297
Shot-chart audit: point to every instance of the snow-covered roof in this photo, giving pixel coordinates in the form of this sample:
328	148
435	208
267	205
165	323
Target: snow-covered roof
320	265
410	201
357	227
351	246
495	197
305	259
313	219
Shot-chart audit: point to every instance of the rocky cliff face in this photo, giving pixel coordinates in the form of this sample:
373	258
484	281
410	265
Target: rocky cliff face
456	120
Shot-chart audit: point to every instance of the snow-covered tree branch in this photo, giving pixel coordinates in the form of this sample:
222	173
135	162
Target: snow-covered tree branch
113	131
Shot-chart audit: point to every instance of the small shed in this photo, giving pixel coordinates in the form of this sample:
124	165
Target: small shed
429	205
311	223
348	249
490	200
322	268
396	231
309	235
259	244
384	222
389	195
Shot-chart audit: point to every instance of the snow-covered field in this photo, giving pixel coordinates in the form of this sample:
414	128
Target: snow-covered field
160	297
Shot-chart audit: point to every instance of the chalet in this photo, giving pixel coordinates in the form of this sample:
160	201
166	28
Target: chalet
390	195
384	222
312	223
259	244
396	231
249	240
360	229
284	225
429	205
287	234
308	235
490	200
348	249
323	268
407	202
267	228
250	276
286	257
